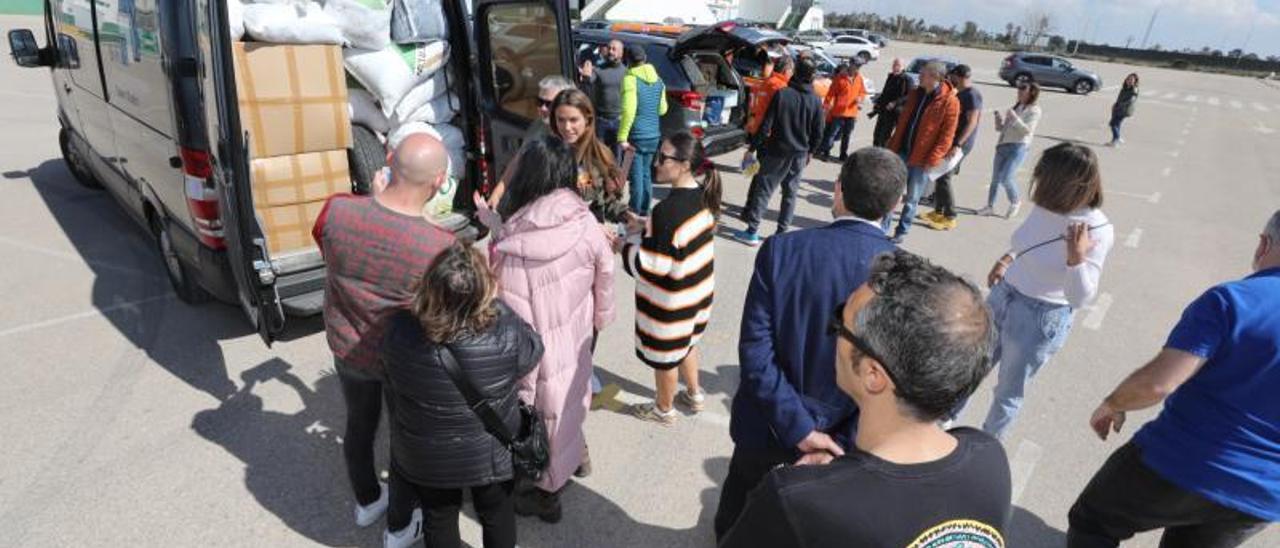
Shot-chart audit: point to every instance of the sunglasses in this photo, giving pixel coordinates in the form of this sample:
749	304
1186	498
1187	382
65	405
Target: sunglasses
836	327
543	103
664	157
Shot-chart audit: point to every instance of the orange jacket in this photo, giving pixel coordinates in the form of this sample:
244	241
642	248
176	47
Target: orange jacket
761	94
844	97
934	132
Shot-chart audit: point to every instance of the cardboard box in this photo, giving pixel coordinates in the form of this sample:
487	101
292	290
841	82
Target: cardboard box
299	178
293	98
288	227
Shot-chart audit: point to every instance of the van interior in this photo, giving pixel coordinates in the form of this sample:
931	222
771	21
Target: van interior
724	91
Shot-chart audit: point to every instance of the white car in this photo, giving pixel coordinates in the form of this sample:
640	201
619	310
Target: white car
850	47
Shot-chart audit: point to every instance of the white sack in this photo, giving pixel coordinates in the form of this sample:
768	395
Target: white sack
440	110
454	142
390	73
363	25
363	110
235	17
418	21
421	94
291	24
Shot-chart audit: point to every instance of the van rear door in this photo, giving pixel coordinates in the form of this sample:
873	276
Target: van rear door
518	43
246	247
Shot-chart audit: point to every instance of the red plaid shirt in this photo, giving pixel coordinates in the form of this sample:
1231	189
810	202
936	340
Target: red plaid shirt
375	258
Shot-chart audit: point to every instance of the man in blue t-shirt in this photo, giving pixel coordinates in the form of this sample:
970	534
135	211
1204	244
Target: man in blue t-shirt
1207	469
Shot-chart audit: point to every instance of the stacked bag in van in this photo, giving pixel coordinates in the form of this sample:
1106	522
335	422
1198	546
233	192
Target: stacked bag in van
397	83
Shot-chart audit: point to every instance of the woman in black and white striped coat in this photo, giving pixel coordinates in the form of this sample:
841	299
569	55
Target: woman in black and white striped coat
674	267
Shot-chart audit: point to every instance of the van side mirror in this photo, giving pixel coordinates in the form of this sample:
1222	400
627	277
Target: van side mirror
22	45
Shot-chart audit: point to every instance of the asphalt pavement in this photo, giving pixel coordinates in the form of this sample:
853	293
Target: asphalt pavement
129	418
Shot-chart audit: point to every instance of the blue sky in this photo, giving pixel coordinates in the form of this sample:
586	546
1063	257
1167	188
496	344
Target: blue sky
1221	24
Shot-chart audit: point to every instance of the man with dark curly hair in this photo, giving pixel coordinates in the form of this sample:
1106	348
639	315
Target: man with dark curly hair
912	342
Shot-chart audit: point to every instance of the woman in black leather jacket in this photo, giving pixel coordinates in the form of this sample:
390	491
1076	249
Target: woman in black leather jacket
438	444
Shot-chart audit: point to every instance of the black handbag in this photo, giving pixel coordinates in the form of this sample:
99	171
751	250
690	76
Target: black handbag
530	447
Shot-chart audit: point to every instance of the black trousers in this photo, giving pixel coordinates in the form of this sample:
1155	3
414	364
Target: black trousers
1126	497
944	198
747	469
495	508
886	122
775	170
363	394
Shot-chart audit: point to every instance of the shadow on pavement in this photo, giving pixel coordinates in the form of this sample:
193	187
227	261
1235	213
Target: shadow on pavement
131	290
293	464
1029	531
592	519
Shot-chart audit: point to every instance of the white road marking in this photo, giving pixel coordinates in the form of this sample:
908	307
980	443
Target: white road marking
92	264
1022	466
1171	95
1153	197
1175	153
127	306
1182	142
1134	238
1097	312
1191	98
1166	172
1263	129
1214	101
1237	104
1261	107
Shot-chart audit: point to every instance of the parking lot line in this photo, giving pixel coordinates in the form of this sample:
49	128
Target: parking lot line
1022	466
1261	107
1166	172
1237	104
92	264
127	306
1213	101
1133	239
1097	312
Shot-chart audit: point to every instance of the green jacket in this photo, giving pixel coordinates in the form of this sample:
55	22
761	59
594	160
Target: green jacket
630	99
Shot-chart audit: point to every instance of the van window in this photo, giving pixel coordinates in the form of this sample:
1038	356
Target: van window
131	54
526	48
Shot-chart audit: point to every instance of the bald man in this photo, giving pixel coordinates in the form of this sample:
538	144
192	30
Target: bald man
375	250
888	105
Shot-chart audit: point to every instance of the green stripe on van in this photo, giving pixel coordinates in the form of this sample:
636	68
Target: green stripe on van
21	7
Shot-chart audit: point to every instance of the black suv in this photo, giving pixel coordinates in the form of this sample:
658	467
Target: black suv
693	68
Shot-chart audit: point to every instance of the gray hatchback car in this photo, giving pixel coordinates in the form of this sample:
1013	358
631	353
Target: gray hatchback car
1048	71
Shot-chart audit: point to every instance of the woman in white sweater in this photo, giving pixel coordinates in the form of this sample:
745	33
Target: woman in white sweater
1017	127
1051	271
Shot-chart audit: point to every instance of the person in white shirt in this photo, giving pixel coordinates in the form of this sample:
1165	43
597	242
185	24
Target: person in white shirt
1016	127
1052	270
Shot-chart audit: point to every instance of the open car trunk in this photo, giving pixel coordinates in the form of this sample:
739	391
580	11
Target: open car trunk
724	91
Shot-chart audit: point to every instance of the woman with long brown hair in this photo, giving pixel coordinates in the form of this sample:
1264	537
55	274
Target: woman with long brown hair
1123	107
674	265
457	314
1017	127
573	120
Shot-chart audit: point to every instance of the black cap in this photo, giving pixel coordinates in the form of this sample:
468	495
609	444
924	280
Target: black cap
961	70
634	54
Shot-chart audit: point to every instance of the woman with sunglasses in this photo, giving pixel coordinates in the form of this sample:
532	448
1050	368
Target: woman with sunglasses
1016	127
673	264
1052	270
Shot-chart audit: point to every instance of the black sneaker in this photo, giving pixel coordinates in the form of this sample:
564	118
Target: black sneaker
536	502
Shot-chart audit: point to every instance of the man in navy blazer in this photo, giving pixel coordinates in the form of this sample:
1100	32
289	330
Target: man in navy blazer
788	406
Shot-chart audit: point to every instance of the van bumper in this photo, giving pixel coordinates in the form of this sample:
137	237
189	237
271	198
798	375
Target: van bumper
724	140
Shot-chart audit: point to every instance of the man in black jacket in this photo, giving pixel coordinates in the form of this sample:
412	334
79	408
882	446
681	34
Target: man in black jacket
911	343
788	137
889	103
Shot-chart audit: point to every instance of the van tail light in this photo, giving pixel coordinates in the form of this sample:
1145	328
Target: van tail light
202	197
691	100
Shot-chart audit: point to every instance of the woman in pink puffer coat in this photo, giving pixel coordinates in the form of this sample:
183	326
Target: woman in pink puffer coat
555	268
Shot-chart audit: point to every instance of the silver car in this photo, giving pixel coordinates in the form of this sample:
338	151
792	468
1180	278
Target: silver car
1048	71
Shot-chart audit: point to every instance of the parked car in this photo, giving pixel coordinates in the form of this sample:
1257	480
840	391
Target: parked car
694	69
811	36
161	131
826	65
1048	70
878	39
851	47
917	65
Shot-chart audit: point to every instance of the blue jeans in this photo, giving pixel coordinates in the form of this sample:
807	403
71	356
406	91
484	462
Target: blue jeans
916	181
607	131
1116	121
1009	157
842	128
642	175
1030	331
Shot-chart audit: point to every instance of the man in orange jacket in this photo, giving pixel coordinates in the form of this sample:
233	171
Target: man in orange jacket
925	133
762	93
842	103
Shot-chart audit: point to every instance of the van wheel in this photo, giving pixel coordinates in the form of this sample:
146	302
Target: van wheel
180	276
366	156
75	163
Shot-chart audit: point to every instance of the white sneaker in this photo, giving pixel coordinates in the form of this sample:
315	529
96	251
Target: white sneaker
406	537
366	515
985	212
1013	210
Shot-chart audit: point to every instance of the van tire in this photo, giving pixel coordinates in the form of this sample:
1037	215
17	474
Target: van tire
181	277
366	156
75	163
